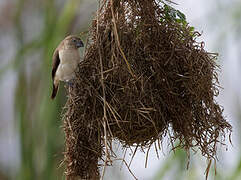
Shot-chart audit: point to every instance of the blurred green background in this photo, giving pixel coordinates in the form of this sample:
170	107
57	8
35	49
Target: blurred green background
31	138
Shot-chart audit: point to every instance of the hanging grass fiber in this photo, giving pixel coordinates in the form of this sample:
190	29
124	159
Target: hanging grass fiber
143	76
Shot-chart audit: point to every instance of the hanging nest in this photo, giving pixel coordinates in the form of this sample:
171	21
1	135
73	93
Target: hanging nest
143	75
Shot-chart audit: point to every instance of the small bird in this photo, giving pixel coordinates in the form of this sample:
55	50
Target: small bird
65	61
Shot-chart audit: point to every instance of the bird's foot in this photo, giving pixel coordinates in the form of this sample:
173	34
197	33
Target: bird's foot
70	83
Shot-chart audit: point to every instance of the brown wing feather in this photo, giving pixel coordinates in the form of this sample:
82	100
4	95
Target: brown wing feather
54	91
55	66
56	62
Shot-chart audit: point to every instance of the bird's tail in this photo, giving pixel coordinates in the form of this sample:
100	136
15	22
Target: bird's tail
55	89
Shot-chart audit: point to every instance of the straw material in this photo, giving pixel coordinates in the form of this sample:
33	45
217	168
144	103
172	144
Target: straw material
143	74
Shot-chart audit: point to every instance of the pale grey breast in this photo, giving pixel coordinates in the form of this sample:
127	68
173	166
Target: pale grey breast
69	60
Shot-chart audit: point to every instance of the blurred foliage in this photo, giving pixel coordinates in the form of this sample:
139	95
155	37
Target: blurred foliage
37	116
176	15
177	160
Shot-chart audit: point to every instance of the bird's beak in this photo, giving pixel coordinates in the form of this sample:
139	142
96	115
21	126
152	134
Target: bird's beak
80	44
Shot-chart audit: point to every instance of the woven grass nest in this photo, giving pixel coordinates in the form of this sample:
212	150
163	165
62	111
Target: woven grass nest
143	75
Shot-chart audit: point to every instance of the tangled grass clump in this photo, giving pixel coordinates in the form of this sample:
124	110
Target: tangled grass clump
143	73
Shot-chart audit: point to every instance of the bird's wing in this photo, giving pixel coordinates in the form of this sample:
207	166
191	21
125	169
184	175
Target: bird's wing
56	62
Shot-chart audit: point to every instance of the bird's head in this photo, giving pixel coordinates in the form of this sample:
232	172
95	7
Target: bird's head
73	41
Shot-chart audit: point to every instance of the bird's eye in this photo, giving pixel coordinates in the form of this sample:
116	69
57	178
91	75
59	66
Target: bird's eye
74	40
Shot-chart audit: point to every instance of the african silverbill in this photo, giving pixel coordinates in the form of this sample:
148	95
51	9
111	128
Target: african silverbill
65	61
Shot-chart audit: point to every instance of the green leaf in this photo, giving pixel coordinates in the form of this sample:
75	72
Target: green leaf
181	15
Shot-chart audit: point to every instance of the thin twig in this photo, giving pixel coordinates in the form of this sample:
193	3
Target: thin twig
127	167
147	155
118	41
104	96
133	155
208	168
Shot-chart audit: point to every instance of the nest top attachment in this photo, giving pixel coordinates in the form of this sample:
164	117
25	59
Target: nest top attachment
143	74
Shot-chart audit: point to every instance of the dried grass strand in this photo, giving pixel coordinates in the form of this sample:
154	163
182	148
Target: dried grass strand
143	77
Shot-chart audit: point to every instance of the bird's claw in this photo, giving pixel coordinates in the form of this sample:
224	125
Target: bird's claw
70	83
